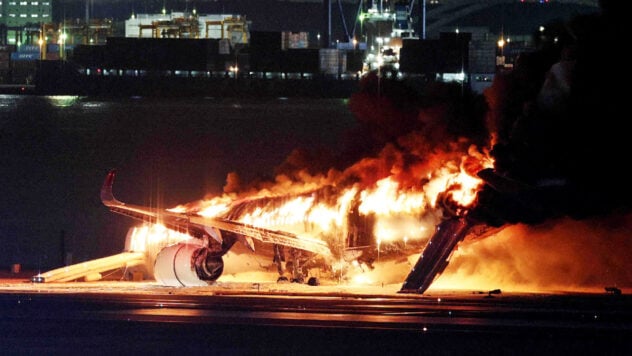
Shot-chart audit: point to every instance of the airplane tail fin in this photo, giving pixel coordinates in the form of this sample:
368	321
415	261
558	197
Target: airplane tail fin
107	197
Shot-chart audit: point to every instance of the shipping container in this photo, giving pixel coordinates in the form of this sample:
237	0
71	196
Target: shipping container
7	48
87	55
261	41
355	61
25	56
449	54
5	76
163	54
265	51
419	56
54	56
295	40
482	56
333	61
5	58
27	48
23	72
454	52
300	61
52	47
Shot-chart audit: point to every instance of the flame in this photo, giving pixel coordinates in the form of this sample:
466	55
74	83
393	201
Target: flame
387	199
207	208
381	207
560	255
399	215
151	238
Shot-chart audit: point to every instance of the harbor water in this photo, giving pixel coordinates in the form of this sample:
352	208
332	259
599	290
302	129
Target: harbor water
56	151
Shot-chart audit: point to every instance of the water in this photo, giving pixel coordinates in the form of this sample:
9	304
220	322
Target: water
56	151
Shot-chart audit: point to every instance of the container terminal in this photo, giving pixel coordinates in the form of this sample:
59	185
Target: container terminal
187	53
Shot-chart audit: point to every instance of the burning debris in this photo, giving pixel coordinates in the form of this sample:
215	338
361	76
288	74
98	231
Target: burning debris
613	290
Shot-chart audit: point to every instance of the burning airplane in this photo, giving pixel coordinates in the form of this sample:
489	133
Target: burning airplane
328	222
420	177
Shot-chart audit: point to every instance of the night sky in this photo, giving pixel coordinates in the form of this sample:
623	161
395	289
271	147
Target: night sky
275	15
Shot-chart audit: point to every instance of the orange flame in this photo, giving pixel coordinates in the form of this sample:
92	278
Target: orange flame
402	216
397	211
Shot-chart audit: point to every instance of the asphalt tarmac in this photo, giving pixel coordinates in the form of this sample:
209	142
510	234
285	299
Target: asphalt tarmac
231	318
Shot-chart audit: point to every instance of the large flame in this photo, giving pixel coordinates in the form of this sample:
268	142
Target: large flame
386	214
559	255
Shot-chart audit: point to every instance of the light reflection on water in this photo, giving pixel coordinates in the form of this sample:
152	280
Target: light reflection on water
62	100
9	103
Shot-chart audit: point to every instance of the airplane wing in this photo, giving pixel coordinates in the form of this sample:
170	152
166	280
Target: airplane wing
198	226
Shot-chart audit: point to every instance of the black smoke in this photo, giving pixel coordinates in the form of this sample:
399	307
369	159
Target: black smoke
561	151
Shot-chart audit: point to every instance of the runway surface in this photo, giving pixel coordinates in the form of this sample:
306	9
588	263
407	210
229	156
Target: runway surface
263	318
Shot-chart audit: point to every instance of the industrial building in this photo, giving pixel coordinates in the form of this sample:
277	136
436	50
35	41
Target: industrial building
192	45
20	20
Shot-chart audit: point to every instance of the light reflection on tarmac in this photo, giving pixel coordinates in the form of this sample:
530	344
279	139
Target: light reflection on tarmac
262	318
8	285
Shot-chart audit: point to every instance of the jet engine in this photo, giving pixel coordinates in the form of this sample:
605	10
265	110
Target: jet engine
187	264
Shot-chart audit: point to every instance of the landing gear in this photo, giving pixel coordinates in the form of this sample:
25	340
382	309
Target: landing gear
313	281
293	265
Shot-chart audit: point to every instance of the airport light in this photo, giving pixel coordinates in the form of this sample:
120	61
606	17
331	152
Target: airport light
234	69
41	44
501	43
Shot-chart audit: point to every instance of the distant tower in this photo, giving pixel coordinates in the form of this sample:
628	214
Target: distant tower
89	5
327	23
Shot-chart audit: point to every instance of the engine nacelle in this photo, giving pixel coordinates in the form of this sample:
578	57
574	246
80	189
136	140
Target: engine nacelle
187	264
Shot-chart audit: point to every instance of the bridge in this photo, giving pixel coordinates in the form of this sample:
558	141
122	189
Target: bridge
436	14
446	11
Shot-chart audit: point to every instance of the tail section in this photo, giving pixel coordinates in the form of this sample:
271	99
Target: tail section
107	197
